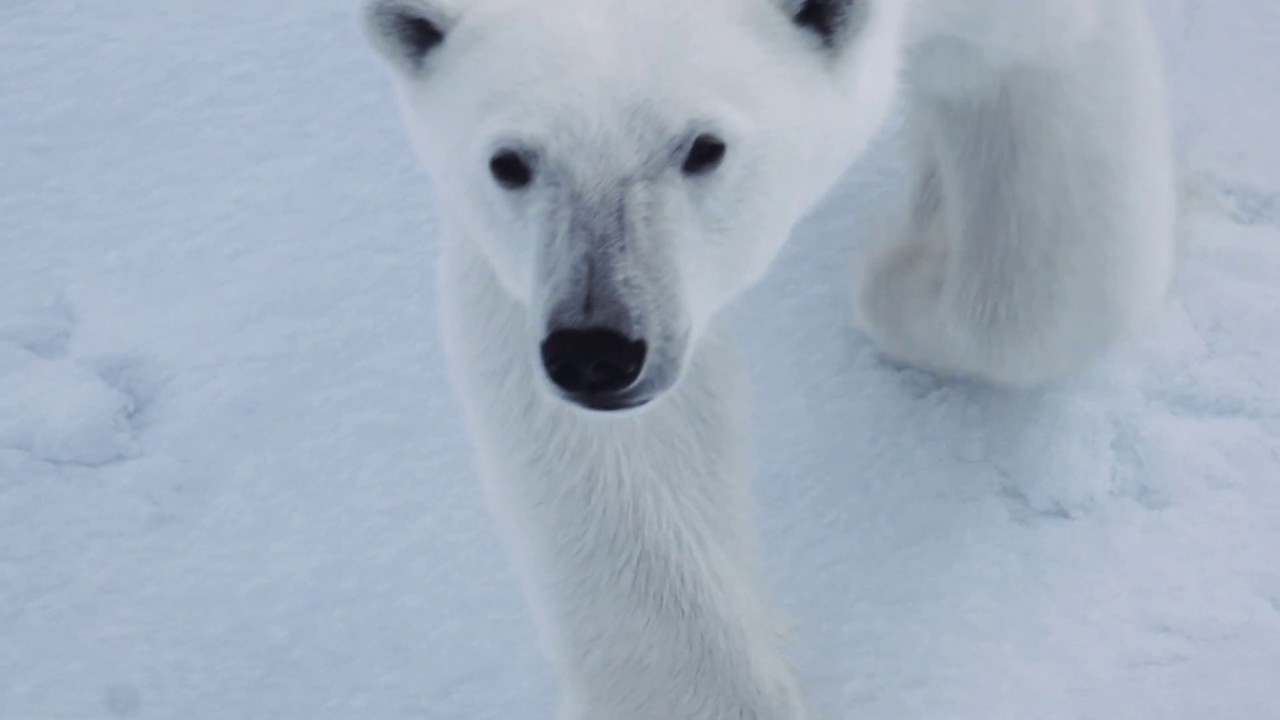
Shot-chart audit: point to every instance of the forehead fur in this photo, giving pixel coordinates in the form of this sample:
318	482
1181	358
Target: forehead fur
519	60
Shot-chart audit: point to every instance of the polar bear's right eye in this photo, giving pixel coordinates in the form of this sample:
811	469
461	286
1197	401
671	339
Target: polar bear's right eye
511	170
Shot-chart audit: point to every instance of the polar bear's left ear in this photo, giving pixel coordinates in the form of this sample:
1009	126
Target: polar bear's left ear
830	21
406	32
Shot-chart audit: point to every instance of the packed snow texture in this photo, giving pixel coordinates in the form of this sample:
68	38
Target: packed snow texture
234	484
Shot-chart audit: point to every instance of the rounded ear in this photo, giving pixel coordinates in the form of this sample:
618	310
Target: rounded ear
406	32
830	21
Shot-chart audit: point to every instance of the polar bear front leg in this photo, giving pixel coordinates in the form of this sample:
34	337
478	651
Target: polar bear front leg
1041	228
632	530
899	292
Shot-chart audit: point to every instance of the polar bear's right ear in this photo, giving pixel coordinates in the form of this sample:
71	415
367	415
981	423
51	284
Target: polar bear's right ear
406	32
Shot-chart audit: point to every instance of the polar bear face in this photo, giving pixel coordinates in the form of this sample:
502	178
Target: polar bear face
628	167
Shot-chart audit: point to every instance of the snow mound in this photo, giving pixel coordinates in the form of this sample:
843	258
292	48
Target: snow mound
61	411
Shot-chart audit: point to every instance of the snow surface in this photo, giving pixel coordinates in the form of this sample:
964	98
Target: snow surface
233	483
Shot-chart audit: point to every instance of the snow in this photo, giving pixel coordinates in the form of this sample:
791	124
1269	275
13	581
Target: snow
233	483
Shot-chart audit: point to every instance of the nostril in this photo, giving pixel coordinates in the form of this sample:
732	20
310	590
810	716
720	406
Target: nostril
592	362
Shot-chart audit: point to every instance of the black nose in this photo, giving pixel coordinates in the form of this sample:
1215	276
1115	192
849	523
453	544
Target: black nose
592	363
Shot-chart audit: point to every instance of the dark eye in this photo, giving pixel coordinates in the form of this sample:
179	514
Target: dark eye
511	170
704	155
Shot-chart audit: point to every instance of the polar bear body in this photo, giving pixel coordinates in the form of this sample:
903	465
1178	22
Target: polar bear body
616	173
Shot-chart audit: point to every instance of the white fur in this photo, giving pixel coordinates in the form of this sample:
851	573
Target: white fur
1040	229
1039	232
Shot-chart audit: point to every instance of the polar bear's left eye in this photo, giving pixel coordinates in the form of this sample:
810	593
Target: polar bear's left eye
705	155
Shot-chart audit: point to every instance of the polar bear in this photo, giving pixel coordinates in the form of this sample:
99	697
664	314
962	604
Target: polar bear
612	174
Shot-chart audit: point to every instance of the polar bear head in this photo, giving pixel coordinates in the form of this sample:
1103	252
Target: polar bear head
628	167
